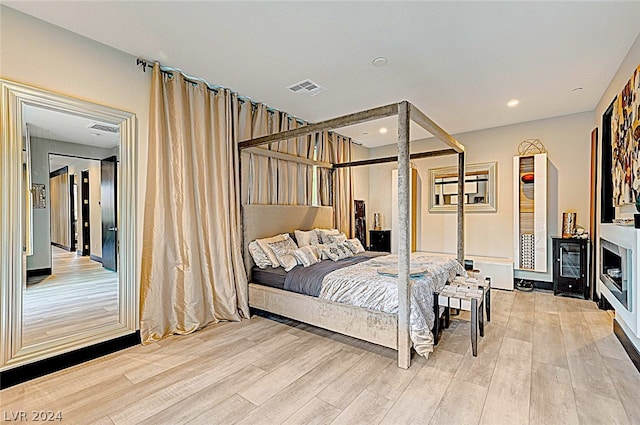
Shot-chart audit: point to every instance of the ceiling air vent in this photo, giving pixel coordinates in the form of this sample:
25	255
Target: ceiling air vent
104	127
307	87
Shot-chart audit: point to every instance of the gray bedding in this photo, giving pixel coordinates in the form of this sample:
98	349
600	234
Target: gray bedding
308	280
269	276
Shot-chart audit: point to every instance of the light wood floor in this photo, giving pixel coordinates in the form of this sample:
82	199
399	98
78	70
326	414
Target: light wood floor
78	295
543	360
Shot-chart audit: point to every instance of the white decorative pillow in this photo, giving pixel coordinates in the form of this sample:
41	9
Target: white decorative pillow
258	255
284	253
264	244
339	239
335	251
306	238
354	245
306	255
323	234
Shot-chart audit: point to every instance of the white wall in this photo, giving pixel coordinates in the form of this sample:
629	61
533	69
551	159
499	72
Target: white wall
360	176
566	138
42	55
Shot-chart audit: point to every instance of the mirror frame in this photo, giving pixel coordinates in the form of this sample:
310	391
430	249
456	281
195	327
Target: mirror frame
12	259
489	206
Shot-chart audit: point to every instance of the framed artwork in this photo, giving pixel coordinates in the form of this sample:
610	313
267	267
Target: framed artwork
479	188
625	142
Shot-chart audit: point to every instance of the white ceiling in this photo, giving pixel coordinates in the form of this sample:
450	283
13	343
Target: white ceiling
459	62
66	127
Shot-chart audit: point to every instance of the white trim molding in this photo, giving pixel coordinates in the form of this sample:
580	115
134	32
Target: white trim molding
14	96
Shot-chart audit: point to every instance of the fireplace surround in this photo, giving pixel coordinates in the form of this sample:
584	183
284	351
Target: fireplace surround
616	271
618	262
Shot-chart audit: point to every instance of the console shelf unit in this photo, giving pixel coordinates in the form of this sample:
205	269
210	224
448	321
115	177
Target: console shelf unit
530	213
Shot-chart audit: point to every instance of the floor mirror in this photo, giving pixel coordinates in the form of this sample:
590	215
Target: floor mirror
67	252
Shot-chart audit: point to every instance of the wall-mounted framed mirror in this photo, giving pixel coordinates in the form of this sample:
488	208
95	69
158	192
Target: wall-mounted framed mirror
479	188
67	185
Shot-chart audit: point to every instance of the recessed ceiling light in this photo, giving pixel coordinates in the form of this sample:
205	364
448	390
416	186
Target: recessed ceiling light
383	130
365	134
380	61
513	103
576	89
95	134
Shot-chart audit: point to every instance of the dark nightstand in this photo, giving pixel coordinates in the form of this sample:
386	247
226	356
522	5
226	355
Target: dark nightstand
570	267
380	240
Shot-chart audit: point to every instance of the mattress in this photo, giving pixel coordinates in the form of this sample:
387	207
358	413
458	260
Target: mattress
278	278
269	276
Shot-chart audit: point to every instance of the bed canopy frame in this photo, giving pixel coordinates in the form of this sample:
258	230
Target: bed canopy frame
405	112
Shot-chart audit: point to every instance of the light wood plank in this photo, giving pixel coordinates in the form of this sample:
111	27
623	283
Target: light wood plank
229	412
199	378
341	392
207	399
585	363
78	295
548	341
593	408
419	401
509	393
461	404
288	401
288	372
552	400
315	412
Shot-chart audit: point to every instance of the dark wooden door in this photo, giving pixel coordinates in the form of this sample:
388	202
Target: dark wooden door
109	207
86	214
593	207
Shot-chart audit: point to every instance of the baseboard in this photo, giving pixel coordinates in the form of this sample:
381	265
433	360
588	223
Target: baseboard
603	304
66	248
631	350
537	284
39	272
20	374
96	258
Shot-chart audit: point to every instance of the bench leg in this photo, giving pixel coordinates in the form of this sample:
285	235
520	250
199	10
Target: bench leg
436	322
481	321
447	317
487	300
474	327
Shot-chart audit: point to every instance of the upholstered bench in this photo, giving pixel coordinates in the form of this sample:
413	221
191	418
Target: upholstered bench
466	294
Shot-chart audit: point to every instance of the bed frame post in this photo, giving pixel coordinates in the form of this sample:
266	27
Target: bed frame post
404	342
461	200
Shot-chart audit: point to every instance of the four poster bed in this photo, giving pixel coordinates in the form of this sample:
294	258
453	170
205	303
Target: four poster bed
393	330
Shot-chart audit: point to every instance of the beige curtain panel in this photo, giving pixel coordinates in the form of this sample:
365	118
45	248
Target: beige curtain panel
342	185
192	264
335	187
325	175
272	181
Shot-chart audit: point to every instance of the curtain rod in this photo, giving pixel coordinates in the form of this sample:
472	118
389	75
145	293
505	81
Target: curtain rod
144	64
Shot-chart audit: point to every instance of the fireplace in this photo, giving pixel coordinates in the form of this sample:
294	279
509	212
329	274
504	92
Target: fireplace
616	271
